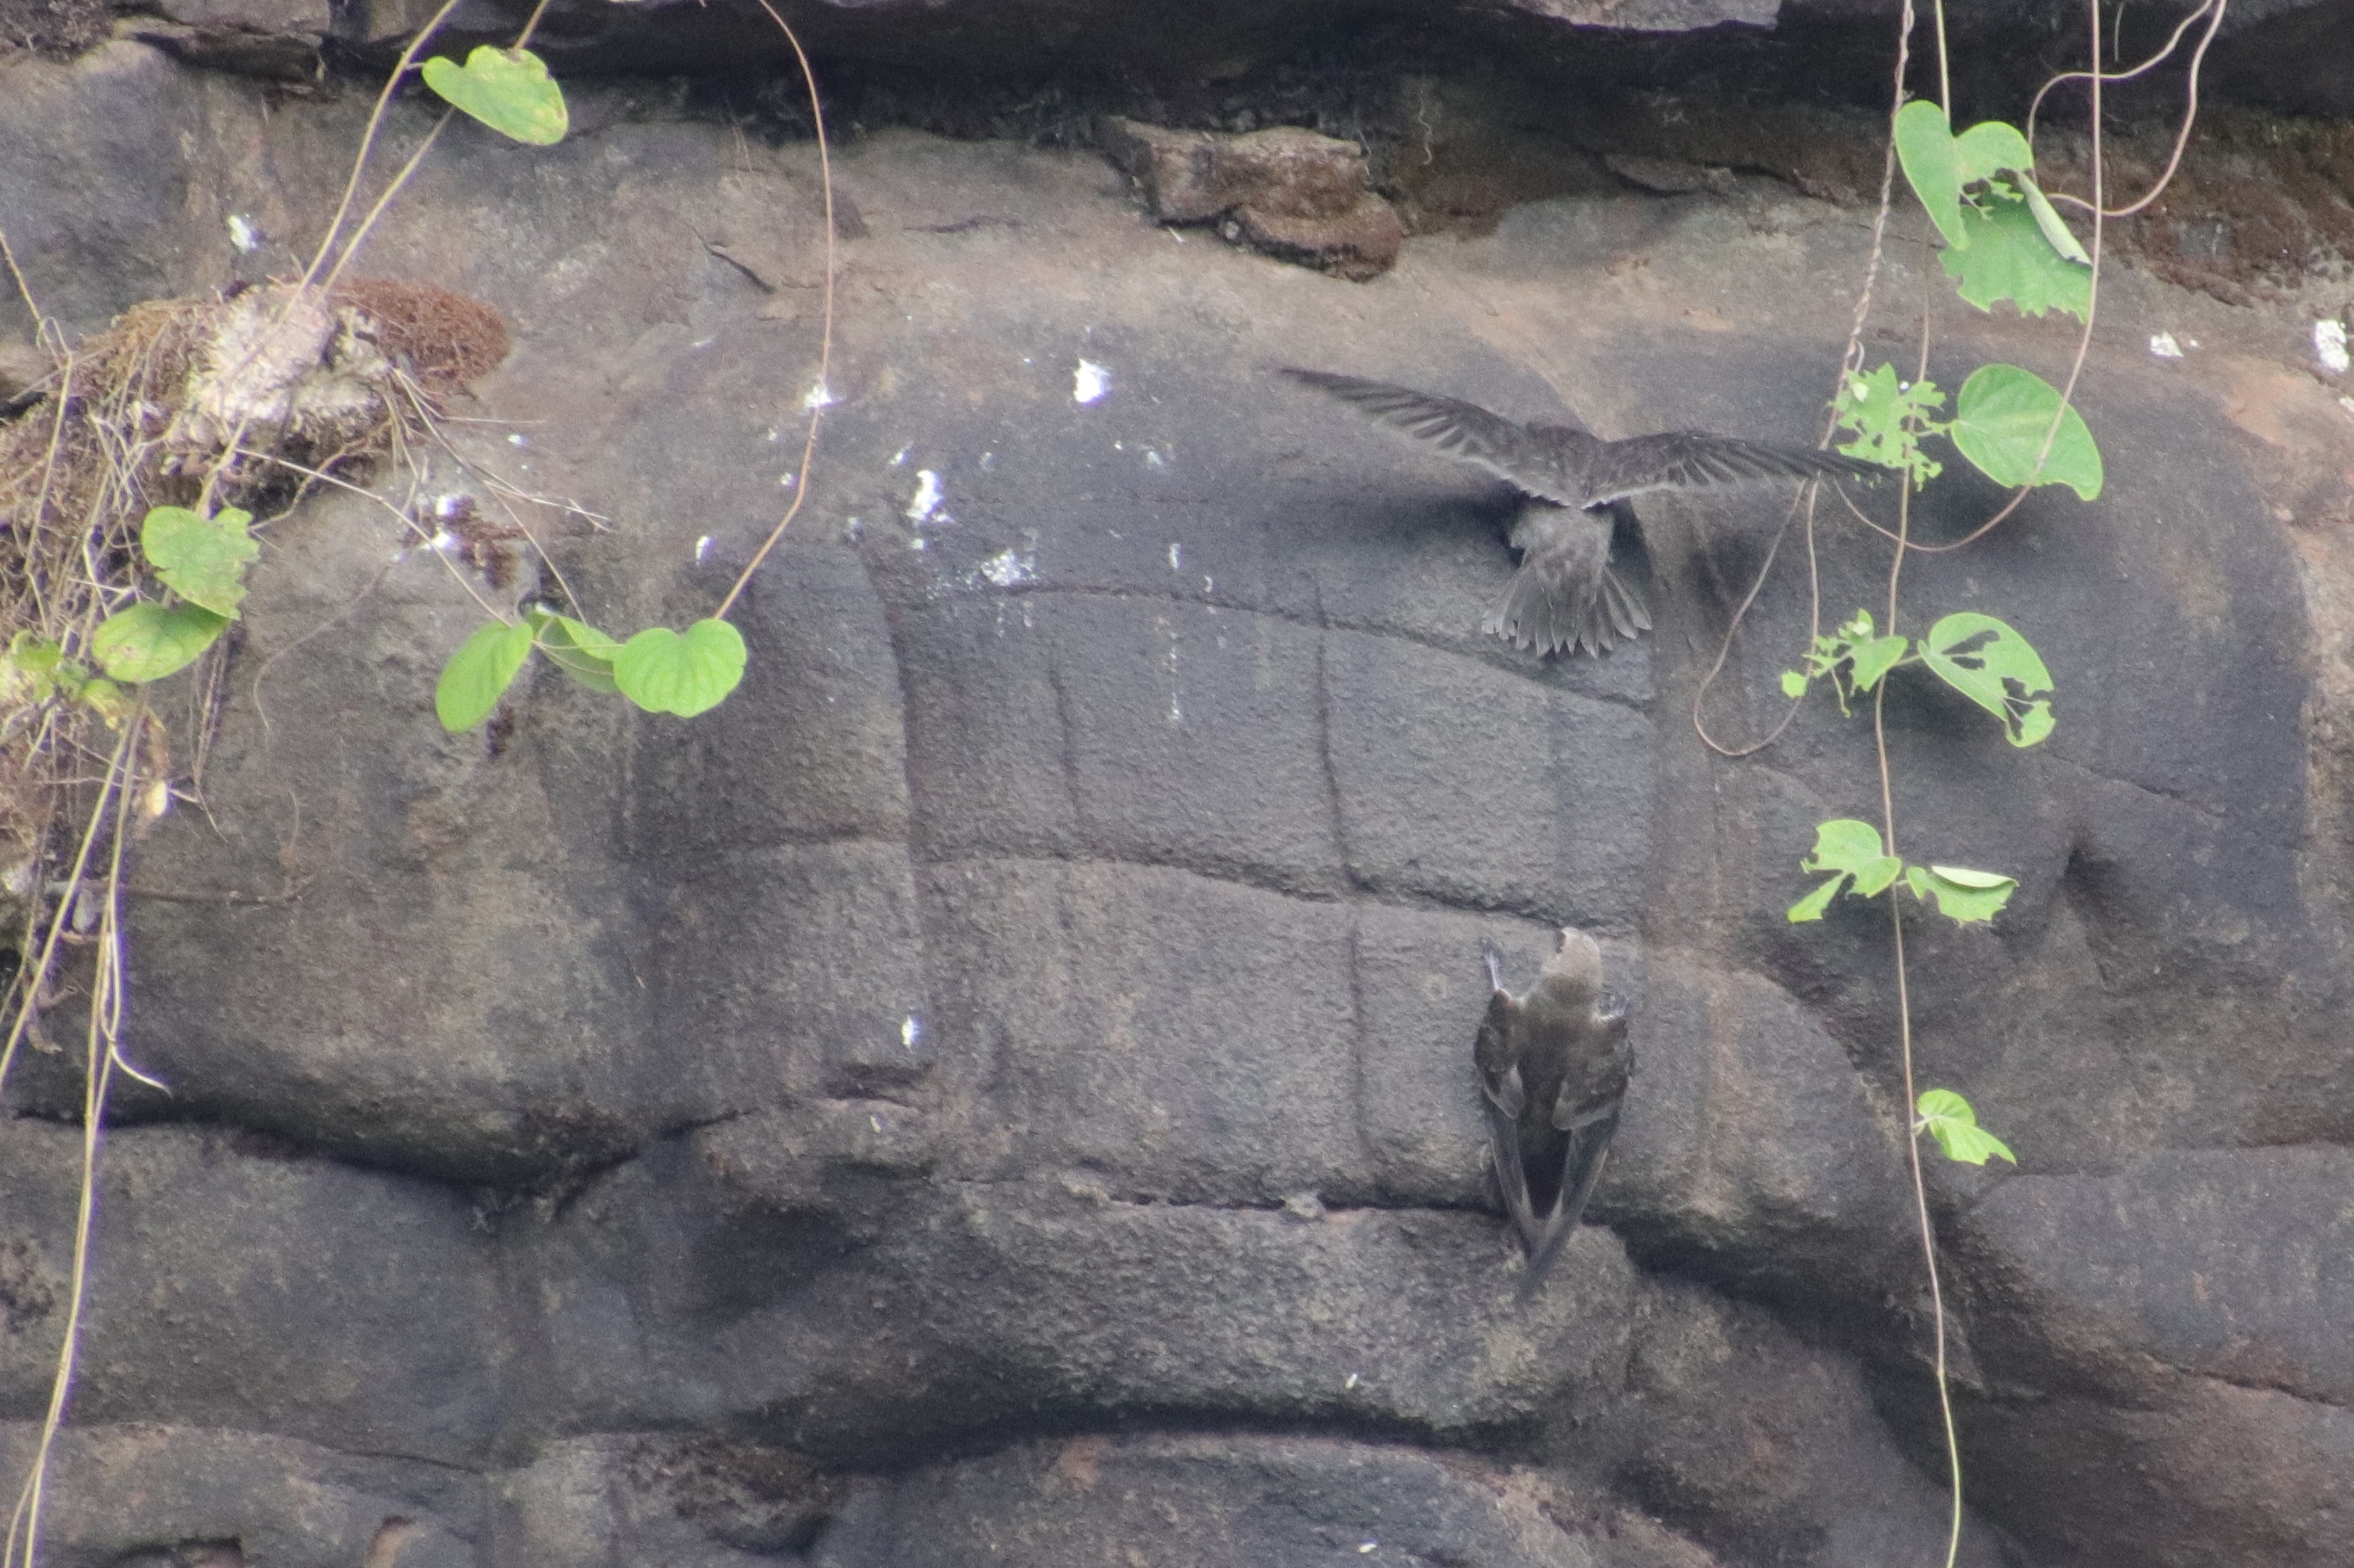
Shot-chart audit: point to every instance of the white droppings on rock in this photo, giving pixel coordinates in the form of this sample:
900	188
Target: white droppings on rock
1154	459
899	458
820	396
926	506
2329	345
243	234
702	548
911	1030
2163	345
516	440
1090	383
1176	558
1009	568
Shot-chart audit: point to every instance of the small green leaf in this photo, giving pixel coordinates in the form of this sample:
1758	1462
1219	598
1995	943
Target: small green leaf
110	702
1852	850
507	90
666	672
1875	657
1889	417
1848	846
576	648
1962	896
1947	1118
1813	905
2048	220
2002	422
1925	145
478	674
1989	148
201	559
2009	257
29	671
1794	685
148	641
1995	667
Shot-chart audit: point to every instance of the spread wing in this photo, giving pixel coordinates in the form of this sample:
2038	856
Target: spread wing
1692	460
1456	427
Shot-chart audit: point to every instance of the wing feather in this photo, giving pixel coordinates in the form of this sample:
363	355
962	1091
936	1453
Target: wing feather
1692	460
1460	429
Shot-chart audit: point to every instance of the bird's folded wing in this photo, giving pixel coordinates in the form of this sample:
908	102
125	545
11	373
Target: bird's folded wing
1581	1168
1688	460
1459	429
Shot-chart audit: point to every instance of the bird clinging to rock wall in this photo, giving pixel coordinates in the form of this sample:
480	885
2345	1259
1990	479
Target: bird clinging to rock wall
1565	596
1553	1063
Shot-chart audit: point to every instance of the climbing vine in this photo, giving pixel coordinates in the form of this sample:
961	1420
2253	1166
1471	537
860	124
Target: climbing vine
104	591
2002	241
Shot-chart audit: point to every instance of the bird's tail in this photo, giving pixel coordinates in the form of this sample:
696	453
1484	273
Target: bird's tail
1587	617
1589	1149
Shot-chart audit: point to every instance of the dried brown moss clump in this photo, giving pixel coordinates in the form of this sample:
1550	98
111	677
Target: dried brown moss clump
449	339
241	400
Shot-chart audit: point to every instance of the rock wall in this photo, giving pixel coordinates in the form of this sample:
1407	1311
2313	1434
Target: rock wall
997	1089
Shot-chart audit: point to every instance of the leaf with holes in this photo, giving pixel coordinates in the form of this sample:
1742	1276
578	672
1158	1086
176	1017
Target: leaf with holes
682	672
1852	850
507	90
2012	256
149	642
1889	417
478	674
2003	421
202	559
1995	667
1947	1118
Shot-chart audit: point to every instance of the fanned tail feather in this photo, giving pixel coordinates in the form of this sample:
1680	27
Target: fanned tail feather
1532	616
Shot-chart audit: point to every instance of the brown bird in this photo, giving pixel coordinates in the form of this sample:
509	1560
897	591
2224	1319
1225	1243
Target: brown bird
1553	1063
1573	484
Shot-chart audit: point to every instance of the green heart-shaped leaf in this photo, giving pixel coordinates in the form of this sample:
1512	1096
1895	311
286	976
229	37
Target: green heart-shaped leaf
202	559
507	90
148	641
666	672
2004	417
478	674
1925	145
1988	148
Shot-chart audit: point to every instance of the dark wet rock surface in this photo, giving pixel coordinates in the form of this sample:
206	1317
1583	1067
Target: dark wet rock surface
998	1088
